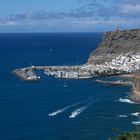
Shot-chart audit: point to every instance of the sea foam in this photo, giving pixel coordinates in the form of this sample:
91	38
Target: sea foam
123	100
136	122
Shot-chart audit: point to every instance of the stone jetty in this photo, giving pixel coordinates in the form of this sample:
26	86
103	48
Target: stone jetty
27	74
67	72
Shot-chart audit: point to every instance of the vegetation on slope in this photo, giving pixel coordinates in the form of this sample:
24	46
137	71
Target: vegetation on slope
135	135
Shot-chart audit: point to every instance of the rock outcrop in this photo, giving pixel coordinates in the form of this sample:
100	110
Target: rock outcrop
114	44
135	96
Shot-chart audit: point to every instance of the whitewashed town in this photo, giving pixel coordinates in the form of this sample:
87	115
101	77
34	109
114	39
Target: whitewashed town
123	64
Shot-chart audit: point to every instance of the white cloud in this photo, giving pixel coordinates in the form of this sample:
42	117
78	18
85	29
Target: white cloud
11	23
130	9
101	21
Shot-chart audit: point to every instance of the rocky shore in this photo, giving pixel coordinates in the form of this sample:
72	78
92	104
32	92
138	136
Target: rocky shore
115	83
135	96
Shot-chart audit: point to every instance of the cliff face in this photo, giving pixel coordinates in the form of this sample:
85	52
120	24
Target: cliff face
135	96
114	44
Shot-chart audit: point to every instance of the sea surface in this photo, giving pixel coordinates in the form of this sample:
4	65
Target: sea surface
56	109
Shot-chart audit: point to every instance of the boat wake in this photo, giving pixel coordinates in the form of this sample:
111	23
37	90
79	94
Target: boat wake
136	114
78	111
123	100
55	113
123	116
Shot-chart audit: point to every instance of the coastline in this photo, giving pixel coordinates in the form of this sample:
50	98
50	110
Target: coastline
104	61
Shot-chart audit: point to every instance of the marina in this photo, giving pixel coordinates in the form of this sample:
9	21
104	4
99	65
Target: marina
120	65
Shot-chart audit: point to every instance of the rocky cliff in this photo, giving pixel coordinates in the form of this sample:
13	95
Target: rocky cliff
114	44
135	96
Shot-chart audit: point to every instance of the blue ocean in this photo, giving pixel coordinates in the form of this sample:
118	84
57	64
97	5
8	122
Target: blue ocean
58	109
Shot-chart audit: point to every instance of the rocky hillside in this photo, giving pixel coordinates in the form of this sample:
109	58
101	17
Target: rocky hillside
135	96
126	42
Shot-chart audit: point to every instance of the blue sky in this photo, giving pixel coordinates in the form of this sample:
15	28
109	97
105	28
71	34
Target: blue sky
68	15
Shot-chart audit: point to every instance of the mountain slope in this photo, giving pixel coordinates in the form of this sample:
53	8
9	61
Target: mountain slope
114	44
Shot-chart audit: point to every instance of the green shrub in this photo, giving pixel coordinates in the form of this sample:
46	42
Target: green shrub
130	135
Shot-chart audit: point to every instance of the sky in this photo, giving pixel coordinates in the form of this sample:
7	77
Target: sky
68	15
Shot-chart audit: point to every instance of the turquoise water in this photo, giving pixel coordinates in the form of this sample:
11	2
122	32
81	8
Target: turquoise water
26	107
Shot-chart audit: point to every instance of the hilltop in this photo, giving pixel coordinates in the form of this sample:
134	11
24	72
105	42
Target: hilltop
114	44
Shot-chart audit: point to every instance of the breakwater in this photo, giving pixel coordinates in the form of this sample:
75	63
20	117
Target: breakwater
69	72
27	74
